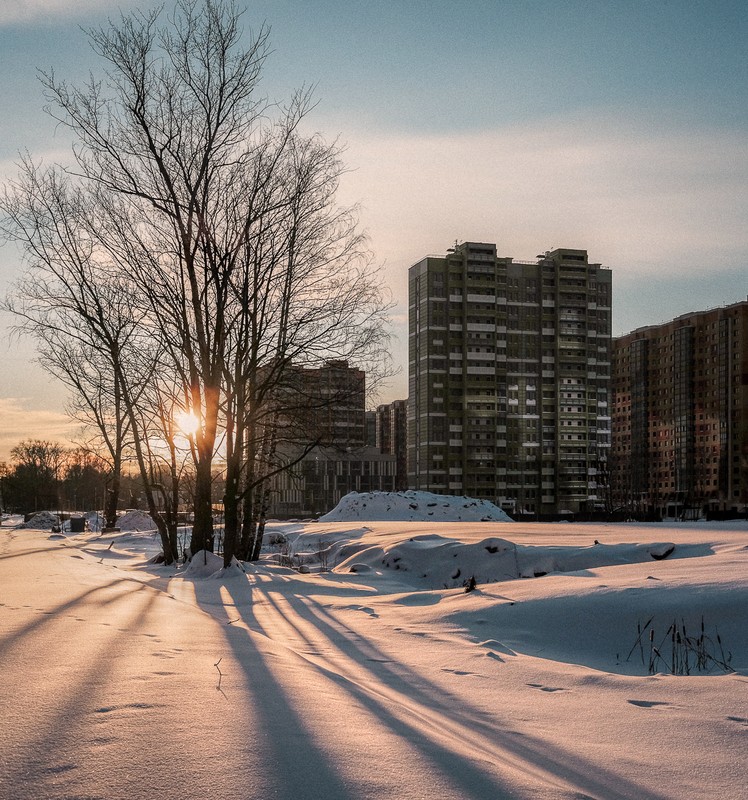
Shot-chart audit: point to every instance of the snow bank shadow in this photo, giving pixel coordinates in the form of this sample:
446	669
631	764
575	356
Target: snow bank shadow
598	629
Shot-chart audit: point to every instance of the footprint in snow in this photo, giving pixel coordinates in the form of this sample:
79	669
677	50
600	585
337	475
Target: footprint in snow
365	609
547	688
647	703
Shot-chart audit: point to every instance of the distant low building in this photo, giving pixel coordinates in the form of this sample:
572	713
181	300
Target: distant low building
326	474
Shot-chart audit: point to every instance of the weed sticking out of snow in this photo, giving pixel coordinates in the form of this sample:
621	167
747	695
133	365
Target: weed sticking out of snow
680	650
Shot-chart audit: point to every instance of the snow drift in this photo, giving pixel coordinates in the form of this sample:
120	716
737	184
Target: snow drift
435	562
136	521
413	506
43	520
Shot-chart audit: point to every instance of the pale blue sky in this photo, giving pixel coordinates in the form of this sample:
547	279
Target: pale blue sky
619	127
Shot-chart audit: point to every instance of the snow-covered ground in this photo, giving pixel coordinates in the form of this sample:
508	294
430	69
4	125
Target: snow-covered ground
373	673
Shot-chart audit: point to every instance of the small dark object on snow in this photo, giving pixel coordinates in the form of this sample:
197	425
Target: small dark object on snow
470	584
56	529
664	554
596	542
492	548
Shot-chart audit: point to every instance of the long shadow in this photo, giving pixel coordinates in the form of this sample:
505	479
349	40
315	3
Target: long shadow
47	616
30	552
589	776
299	767
477	783
530	752
50	764
473	782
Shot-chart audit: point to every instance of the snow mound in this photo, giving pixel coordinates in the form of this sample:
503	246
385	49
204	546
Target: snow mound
204	564
209	565
41	521
436	562
413	506
136	521
234	570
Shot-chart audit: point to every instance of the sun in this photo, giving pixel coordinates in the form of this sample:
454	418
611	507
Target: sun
187	422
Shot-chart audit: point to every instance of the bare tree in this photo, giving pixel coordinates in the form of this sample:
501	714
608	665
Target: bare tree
76	300
304	293
71	302
221	214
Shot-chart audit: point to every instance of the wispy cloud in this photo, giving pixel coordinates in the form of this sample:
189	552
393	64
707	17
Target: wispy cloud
19	422
24	11
634	198
665	208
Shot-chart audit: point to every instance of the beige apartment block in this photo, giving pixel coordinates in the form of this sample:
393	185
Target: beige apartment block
680	415
509	369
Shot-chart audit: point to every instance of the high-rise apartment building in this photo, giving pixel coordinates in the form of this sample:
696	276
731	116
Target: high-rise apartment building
391	437
323	437
329	403
509	368
680	414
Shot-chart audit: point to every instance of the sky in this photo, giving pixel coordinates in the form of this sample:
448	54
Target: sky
616	127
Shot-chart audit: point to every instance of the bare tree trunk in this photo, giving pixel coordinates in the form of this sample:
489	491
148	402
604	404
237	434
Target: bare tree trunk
249	525
202	529
231	495
264	496
169	548
112	498
230	520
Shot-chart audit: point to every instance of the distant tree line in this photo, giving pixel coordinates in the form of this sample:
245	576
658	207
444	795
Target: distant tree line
44	475
187	262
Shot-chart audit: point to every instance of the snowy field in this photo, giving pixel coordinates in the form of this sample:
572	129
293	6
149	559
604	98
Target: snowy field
352	662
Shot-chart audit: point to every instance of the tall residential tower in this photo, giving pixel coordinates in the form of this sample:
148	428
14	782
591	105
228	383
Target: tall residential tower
680	411
509	378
